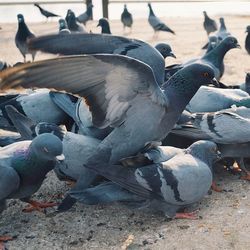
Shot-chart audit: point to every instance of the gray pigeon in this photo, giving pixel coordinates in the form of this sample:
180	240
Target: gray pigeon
104	24
209	99
209	24
73	25
63	27
229	126
123	104
126	18
174	184
165	50
75	44
38	106
45	13
222	33
156	23
86	16
24	165
22	37
247	41
214	58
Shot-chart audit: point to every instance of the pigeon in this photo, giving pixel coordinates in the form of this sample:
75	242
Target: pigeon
38	106
214	58
121	107
165	50
72	23
209	24
44	12
126	18
104	24
63	27
209	99
23	167
86	16
75	44
174	184
22	37
221	34
221	126
247	41
156	23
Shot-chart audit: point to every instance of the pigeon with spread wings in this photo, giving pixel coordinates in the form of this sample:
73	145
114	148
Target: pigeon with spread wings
121	92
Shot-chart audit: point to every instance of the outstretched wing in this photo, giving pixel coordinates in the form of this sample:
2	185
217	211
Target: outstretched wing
109	83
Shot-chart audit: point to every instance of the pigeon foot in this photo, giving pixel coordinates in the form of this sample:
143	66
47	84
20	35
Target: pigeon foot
38	206
4	239
215	188
190	216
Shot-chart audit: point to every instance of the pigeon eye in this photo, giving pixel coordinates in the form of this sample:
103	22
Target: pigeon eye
205	74
45	150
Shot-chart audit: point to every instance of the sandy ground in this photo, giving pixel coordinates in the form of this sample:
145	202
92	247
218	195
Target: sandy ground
224	217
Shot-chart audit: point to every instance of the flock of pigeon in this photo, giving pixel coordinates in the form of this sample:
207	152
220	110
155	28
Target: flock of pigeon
125	128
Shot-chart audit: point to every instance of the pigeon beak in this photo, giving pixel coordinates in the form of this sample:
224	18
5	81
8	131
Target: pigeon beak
60	157
238	46
215	82
171	54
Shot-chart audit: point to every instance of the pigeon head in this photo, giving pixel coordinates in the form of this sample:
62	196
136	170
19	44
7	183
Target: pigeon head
165	50
198	74
205	13
47	147
104	24
230	42
206	151
20	18
62	24
248	29
37	5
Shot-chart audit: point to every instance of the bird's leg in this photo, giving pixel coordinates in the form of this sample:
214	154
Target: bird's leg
38	206
185	215
215	187
4	239
24	58
242	166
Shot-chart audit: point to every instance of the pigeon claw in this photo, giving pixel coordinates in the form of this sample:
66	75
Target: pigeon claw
190	216
38	206
4	239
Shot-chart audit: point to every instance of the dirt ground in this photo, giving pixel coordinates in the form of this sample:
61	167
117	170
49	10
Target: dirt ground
224	217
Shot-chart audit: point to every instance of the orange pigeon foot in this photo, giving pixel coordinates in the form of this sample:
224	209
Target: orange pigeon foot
215	187
190	216
38	206
4	239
